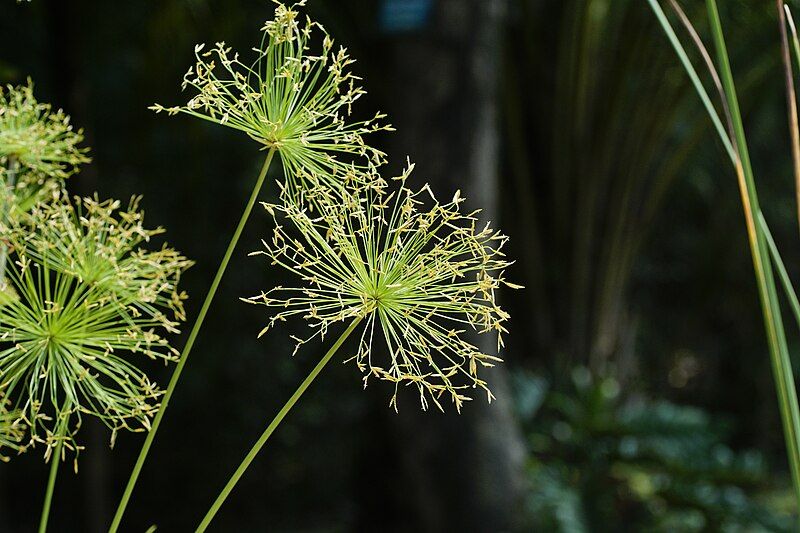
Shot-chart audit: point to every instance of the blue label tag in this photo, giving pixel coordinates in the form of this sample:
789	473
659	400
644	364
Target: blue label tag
397	16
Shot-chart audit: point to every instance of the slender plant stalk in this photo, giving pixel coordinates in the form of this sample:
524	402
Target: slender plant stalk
761	243
779	352
698	42
55	460
793	28
693	76
791	101
271	427
189	343
794	303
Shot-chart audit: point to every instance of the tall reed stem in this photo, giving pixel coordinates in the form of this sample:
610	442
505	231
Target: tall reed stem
271	428
761	244
770	304
55	460
189	343
791	101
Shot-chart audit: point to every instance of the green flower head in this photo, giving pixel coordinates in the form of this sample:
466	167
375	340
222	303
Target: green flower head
36	140
288	98
99	243
89	304
420	277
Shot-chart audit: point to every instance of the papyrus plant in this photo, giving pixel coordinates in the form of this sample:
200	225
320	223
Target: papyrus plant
293	98
767	262
38	149
89	301
416	276
290	98
83	301
419	275
91	304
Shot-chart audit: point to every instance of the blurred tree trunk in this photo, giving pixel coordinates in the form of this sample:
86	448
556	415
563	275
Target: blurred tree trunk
460	473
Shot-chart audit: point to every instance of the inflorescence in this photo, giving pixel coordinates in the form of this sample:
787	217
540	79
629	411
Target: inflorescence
88	300
37	138
422	276
288	99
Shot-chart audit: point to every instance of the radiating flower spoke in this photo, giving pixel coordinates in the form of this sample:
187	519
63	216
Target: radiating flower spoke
89	301
290	99
423	277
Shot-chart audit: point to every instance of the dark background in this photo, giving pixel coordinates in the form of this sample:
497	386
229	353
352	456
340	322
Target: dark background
570	122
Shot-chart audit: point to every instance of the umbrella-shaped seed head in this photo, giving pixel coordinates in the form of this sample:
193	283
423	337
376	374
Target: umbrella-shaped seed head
288	98
72	340
101	244
36	140
422	274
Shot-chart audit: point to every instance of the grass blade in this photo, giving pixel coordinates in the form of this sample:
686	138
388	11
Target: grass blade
757	231
690	70
791	96
779	352
791	295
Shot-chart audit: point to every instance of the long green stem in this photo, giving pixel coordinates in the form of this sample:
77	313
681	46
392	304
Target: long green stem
55	460
189	343
779	352
791	295
761	243
791	101
693	76
271	428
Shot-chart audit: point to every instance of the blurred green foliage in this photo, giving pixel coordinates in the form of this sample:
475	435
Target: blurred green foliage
606	460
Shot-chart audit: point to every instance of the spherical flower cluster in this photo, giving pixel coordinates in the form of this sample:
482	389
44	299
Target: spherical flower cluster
421	274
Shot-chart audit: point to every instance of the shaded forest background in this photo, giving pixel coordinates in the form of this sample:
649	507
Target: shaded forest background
573	124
